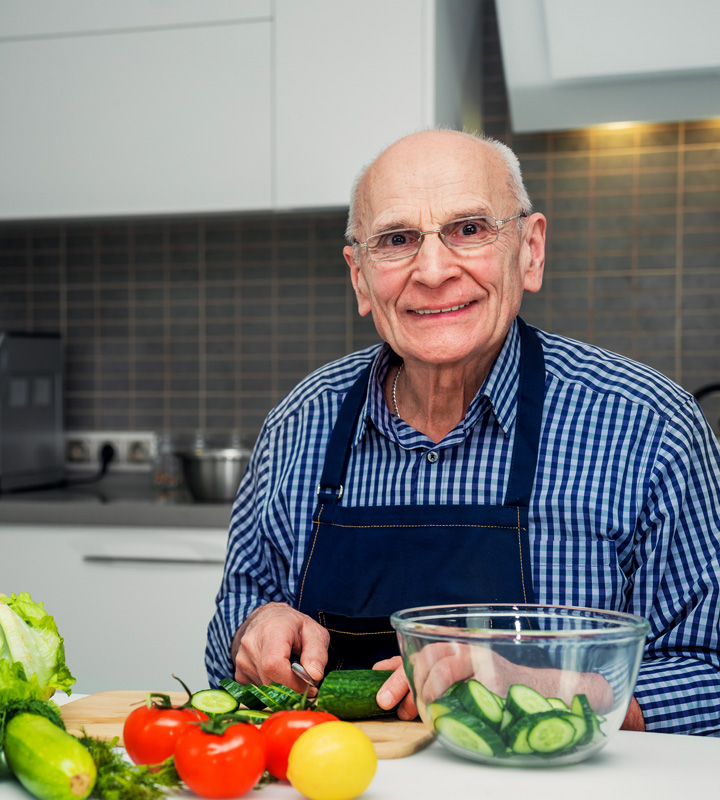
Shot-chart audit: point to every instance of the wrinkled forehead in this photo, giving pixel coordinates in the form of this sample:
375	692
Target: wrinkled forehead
429	180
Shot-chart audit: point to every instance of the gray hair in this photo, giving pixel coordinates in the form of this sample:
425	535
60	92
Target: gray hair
515	184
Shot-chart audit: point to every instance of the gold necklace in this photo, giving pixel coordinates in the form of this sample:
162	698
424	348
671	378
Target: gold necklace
394	391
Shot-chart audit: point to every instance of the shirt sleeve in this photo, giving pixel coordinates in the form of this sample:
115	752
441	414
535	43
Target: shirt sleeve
253	573
677	580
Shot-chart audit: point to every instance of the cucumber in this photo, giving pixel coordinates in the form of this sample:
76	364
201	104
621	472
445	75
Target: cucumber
470	733
551	734
481	702
443	705
350	693
50	763
242	694
527	723
214	701
522	700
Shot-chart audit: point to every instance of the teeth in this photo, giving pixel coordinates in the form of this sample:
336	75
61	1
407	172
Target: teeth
443	310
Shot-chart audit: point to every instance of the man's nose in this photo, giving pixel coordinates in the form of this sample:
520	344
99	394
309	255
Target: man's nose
435	261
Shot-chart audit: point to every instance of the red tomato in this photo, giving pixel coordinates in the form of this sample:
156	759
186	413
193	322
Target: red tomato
280	731
150	734
225	765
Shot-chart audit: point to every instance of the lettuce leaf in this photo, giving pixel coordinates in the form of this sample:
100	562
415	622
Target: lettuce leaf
29	637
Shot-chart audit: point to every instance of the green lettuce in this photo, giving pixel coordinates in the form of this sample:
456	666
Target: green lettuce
32	653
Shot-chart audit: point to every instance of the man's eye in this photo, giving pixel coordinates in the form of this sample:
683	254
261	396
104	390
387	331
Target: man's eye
398	239
469	229
475	227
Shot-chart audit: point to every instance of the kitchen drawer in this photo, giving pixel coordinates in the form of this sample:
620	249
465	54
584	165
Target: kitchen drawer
132	604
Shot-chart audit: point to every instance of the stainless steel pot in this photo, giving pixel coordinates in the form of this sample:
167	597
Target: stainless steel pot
213	476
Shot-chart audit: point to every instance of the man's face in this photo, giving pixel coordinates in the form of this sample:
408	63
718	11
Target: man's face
422	182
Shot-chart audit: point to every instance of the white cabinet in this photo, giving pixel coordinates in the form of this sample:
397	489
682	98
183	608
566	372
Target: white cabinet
135	108
353	77
165	118
132	604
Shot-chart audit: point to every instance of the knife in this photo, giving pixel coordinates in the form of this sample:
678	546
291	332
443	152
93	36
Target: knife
302	673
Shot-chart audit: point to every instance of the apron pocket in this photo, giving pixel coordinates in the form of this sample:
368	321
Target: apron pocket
358	642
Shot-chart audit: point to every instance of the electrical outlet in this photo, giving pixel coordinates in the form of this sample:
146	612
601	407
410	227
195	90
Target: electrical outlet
134	451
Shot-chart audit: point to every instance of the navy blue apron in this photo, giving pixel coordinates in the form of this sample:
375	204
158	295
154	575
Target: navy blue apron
364	563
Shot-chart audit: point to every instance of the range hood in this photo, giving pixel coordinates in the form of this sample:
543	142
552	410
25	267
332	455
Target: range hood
574	63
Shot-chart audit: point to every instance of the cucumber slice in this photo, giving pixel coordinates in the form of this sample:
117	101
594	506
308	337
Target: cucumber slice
251	715
214	701
581	707
470	733
556	702
481	702
550	735
242	694
445	705
269	698
523	700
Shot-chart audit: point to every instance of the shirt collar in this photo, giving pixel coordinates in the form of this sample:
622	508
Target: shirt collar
498	393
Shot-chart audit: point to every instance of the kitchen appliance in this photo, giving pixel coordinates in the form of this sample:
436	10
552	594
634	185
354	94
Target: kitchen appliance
32	451
213	475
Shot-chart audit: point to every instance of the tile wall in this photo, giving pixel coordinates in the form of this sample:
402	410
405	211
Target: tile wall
179	324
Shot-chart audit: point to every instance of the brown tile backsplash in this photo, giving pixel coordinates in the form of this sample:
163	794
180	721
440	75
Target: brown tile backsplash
201	322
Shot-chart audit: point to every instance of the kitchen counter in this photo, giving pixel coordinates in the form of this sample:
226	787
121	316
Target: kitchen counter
632	765
123	498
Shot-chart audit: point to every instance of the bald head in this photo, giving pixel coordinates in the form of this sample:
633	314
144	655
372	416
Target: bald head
419	152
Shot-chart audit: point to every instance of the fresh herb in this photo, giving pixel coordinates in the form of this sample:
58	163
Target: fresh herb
39	707
118	779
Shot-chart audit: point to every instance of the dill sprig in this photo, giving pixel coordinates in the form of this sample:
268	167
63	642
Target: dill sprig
118	779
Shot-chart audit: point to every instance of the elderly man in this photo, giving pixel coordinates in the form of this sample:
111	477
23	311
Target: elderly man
470	458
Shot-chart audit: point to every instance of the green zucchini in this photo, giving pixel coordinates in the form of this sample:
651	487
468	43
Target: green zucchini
350	693
468	732
50	763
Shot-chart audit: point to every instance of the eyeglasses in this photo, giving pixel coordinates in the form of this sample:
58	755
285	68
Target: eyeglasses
458	234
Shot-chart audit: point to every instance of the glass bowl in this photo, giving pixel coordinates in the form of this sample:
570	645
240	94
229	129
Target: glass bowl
527	685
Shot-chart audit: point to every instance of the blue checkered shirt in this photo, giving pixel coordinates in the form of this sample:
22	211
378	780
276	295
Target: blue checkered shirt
624	514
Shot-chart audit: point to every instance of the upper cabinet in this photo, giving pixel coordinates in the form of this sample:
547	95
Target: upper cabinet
570	64
135	114
136	108
353	77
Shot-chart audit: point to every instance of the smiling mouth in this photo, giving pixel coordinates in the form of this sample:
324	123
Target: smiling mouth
441	310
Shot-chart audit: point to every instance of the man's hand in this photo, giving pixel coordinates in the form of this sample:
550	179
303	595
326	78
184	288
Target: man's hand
396	689
263	644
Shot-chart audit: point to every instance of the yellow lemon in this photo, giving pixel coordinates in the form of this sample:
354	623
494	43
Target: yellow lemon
332	761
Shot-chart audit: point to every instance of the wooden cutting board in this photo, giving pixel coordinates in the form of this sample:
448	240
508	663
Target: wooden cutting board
102	715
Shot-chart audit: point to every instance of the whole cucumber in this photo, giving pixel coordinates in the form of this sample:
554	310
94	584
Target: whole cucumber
350	693
50	763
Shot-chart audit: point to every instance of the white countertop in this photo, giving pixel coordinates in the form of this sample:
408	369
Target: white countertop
632	765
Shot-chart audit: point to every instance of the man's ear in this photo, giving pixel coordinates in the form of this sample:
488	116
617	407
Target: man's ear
532	252
358	281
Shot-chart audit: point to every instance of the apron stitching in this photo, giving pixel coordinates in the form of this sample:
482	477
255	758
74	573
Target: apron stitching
307	566
522	573
358	633
424	525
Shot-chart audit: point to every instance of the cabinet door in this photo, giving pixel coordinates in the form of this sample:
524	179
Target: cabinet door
351	78
136	122
132	605
50	18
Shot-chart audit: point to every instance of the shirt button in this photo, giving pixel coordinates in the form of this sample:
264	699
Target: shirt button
432	456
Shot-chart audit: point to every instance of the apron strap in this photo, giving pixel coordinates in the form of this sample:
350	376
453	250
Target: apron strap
528	421
528	418
330	488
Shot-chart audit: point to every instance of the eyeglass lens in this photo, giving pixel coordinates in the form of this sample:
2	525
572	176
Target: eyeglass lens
456	234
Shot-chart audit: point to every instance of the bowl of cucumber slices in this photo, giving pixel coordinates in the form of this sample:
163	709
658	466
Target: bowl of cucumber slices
521	685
